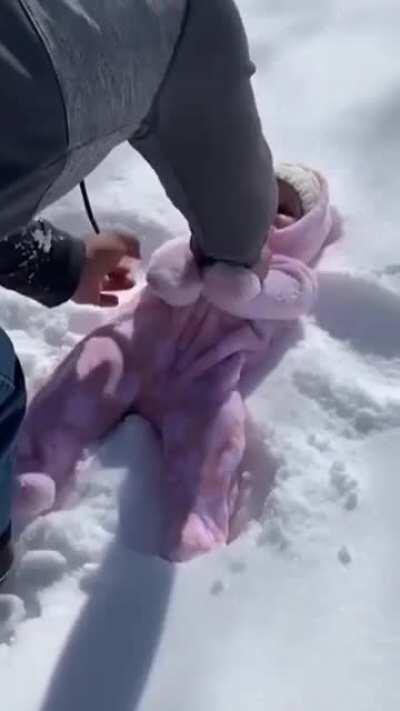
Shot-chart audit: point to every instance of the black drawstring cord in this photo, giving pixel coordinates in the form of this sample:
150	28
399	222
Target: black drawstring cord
88	207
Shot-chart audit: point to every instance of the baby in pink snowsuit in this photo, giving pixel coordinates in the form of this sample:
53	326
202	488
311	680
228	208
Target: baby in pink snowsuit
183	354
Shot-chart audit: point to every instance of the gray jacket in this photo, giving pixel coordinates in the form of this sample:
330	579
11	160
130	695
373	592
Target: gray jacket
78	77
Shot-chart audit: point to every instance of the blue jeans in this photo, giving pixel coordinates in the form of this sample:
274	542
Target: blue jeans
12	410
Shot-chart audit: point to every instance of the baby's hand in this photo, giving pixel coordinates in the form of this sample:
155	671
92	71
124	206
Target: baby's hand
289	205
282	221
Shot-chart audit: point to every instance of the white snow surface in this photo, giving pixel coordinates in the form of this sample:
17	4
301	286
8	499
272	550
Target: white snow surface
303	612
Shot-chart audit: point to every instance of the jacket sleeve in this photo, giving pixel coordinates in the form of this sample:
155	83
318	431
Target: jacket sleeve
204	138
42	262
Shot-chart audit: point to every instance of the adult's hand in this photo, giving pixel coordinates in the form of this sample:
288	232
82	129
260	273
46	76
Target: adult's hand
107	268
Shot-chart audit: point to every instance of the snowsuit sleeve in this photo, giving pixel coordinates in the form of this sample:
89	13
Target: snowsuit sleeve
41	262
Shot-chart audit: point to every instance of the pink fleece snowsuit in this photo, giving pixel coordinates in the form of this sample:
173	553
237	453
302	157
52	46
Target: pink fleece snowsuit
183	354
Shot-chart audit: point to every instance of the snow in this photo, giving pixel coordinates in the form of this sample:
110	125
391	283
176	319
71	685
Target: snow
303	612
43	239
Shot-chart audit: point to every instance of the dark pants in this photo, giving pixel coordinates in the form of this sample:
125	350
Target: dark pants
12	410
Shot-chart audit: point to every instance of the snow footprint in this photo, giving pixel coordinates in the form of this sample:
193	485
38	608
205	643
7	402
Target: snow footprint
352	409
361	311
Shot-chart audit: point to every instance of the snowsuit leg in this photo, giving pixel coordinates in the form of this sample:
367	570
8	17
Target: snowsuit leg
203	442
